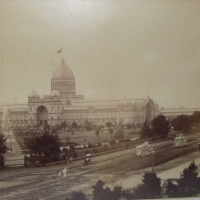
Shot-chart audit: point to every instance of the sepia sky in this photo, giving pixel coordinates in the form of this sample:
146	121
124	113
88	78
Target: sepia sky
115	48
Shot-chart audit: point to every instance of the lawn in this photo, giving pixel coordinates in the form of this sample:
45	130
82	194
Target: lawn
85	137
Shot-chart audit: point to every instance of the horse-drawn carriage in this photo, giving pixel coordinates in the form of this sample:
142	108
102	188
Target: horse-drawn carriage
87	158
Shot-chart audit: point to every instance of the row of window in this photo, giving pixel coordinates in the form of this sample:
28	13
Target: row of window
62	86
14	122
104	120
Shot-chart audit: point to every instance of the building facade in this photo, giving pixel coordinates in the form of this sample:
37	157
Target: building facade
63	104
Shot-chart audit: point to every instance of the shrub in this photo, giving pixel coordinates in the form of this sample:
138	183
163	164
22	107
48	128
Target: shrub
112	142
154	138
105	147
95	150
90	145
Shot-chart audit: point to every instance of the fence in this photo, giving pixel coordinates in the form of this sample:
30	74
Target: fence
14	162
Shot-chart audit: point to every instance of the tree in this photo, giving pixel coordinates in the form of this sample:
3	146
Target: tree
98	189
3	147
101	193
74	125
47	144
150	187
188	184
63	125
160	126
34	145
46	127
196	117
97	133
108	124
117	192
171	189
181	123
111	131
55	128
77	196
145	131
119	134
50	144
88	125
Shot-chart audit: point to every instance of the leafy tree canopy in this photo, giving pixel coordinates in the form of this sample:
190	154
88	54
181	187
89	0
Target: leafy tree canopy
171	189
189	182
108	124
119	134
145	131
97	133
47	144
63	125
160	125
150	187
77	196
196	117
3	147
182	123
101	193
74	125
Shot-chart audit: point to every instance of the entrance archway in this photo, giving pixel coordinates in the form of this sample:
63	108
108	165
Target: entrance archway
42	115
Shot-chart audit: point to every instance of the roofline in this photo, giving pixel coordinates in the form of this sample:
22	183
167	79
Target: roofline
107	100
9	104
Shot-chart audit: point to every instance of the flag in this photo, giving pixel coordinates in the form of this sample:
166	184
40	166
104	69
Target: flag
59	51
62	172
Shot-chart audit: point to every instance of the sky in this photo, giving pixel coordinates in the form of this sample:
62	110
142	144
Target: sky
116	48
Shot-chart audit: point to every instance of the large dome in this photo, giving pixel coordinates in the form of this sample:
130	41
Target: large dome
63	72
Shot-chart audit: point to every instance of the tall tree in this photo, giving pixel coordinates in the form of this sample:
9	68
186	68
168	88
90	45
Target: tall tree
150	187
188	184
63	125
171	189
160	125
50	144
196	117
108	124
97	133
101	193
74	125
182	123
119	134
3	147
145	131
111	131
98	189
34	144
77	196
47	144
